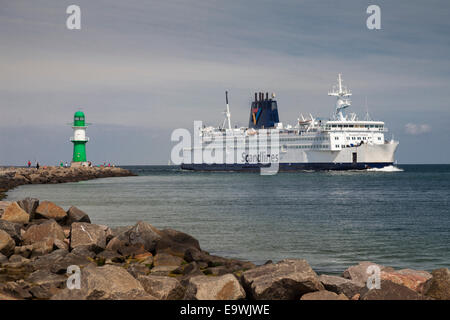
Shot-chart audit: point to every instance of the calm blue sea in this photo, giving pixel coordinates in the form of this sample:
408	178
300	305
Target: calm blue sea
399	218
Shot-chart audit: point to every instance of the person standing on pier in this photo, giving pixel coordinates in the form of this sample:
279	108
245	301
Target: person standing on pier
37	165
29	163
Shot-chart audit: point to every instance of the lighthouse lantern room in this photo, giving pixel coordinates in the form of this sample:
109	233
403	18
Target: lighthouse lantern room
79	139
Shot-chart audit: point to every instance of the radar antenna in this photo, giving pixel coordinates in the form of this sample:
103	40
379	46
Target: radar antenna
342	94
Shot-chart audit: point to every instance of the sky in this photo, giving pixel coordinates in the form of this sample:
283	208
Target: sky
140	69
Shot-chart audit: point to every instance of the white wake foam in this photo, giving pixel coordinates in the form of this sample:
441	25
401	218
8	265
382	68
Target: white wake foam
386	169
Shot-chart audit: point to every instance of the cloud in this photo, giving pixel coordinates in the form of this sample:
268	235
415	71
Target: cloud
160	65
417	129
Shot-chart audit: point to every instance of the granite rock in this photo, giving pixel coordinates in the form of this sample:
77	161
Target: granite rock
286	280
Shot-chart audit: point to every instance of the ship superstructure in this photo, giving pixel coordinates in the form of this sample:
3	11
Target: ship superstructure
342	142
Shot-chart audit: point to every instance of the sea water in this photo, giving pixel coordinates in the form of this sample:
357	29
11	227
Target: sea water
396	216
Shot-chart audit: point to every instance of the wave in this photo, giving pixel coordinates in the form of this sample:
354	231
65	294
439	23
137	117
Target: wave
390	168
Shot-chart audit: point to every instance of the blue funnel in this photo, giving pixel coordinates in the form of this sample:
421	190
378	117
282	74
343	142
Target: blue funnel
263	112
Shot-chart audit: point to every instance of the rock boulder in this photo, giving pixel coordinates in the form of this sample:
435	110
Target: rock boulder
359	273
14	213
409	278
17	290
45	284
3	206
175	242
390	291
105	283
60	267
202	257
48	261
29	205
76	215
42	247
341	285
49	210
47	229
164	259
86	234
287	280
225	287
141	234
13	229
7	244
162	288
438	287
323	295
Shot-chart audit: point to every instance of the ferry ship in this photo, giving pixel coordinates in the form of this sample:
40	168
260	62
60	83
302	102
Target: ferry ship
342	142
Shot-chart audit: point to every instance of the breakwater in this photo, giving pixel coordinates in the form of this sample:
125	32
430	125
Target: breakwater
13	177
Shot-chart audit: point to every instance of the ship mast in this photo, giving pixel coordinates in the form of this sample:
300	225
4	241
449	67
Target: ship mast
342	94
227	113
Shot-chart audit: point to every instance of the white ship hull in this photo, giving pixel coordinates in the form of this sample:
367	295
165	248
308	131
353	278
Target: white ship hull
354	158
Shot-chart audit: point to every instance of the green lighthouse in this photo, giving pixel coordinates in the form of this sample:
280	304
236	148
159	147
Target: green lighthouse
79	139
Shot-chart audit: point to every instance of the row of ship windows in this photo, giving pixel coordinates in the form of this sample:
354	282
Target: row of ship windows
345	146
305	139
281	139
380	126
357	138
312	146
